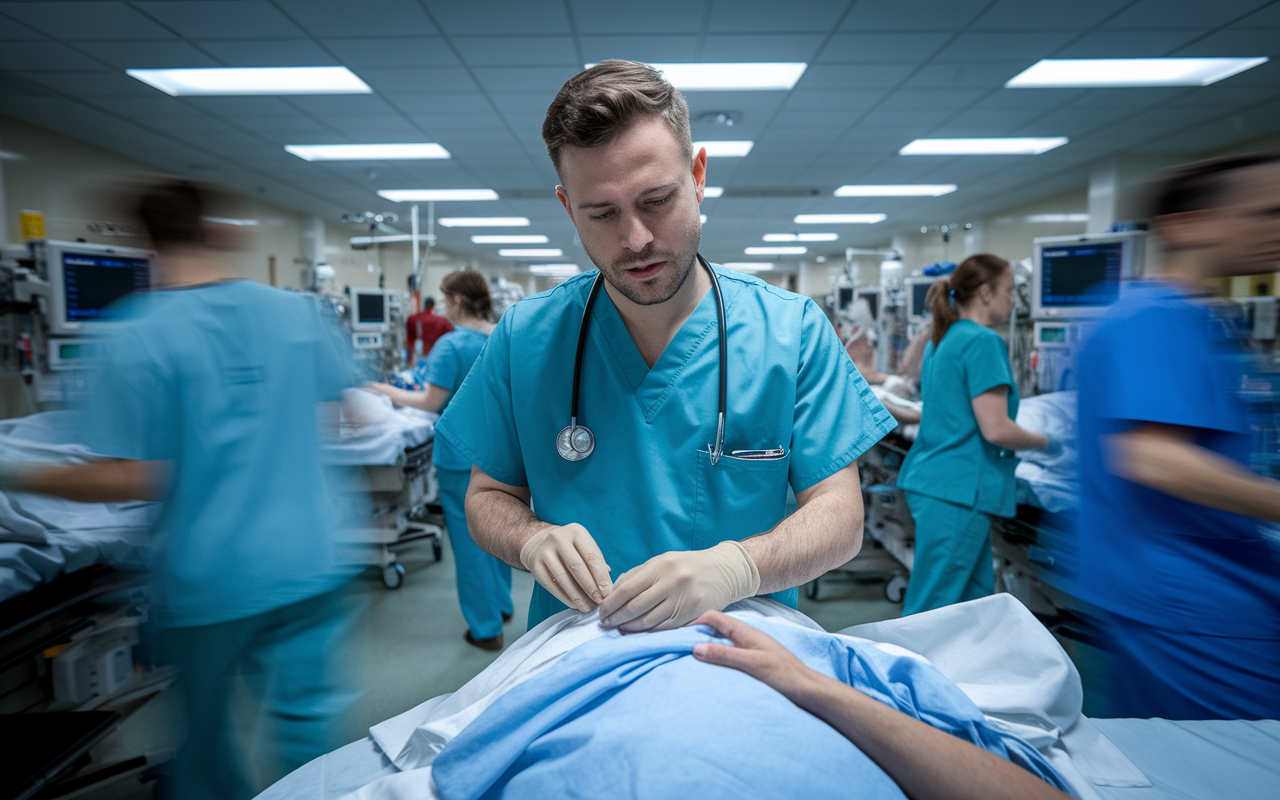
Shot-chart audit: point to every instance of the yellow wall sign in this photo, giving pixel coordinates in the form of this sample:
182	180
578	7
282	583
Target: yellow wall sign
32	225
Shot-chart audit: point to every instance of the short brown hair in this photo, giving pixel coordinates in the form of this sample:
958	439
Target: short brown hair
595	105
1202	185
172	213
469	289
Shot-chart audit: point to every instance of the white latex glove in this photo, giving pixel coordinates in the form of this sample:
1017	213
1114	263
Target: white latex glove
569	564
674	589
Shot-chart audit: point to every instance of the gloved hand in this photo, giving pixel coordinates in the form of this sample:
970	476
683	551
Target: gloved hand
673	589
1053	447
569	564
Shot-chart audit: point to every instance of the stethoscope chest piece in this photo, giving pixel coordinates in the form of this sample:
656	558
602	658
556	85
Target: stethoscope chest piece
575	442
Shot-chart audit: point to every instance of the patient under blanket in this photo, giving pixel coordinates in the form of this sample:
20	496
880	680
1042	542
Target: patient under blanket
639	716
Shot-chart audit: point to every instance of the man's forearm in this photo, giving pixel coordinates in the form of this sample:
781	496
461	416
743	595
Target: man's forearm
1190	472
500	523
825	533
107	481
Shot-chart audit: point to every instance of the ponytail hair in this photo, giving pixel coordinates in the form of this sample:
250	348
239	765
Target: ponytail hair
947	296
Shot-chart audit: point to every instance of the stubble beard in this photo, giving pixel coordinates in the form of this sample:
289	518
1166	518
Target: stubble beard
669	281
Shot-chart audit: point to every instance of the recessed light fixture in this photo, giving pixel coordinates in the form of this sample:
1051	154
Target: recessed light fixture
1086	73
711	192
484	222
1058	218
899	190
555	270
982	147
753	76
801	237
717	149
531	252
506	239
425	195
776	251
367	152
253	80
838	219
747	266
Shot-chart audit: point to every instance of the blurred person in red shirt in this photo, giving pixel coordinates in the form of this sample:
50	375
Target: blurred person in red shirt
425	327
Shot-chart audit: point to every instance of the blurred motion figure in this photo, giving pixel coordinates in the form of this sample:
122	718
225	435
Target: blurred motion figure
208	401
1168	533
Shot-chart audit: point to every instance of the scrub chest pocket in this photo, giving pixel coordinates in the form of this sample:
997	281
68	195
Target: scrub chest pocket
737	498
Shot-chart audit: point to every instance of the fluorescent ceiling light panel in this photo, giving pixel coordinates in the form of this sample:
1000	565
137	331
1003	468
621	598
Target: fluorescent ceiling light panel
742	77
776	251
982	147
388	239
504	239
747	266
801	237
724	149
1058	218
230	221
253	80
367	152
900	190
555	270
484	222
711	192
531	252
1086	73
838	219
426	195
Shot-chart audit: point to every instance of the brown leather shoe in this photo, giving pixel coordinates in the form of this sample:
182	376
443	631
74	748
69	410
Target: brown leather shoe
493	643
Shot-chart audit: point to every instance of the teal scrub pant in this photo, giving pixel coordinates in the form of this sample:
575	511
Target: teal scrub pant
952	555
484	582
300	650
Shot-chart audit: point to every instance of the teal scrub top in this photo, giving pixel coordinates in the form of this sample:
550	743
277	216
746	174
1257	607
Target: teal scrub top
949	459
446	366
222	381
649	486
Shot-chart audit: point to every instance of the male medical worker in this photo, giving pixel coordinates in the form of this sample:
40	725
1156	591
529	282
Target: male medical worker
208	401
1169	542
647	526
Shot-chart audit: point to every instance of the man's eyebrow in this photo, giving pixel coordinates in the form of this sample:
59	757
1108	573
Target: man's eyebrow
648	191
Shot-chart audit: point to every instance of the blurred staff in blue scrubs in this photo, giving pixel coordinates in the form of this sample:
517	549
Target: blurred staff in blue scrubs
960	468
688	525
1169	509
484	582
208	401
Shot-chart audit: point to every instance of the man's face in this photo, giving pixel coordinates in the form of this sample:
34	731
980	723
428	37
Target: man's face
1241	236
635	203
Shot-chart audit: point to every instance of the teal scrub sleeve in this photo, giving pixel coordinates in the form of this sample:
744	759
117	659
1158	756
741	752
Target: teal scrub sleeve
336	363
1161	367
986	364
440	367
837	417
130	410
480	420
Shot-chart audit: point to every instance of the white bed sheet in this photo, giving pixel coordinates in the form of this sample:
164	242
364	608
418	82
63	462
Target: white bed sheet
383	431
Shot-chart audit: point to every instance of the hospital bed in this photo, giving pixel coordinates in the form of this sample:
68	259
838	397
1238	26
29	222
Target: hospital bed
1007	664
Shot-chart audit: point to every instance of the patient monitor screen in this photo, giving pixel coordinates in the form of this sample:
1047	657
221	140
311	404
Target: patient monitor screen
1081	274
371	309
919	292
93	282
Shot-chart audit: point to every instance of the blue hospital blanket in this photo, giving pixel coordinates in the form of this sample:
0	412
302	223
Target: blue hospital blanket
689	729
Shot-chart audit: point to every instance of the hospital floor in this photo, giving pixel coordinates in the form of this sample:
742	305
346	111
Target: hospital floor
409	649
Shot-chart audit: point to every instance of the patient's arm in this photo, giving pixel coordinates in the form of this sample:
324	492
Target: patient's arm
430	399
925	762
111	480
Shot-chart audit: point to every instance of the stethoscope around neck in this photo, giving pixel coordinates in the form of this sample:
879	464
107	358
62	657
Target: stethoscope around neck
576	442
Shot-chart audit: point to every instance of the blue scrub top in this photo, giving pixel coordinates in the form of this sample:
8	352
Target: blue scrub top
446	366
649	486
950	460
222	380
1159	356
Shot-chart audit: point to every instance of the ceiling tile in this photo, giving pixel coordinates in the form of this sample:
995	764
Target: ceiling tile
770	16
831	99
1266	17
456	123
500	17
913	122
369	18
1021	15
906	48
86	21
919	15
327	105
973	75
530	79
222	19
92	84
427	80
518	51
1191	14
413	51
44	56
149	55
1125	44
655	16
853	76
440	103
268	52
761	47
930	99
661	49
243	107
1028	46
1235	42
13	31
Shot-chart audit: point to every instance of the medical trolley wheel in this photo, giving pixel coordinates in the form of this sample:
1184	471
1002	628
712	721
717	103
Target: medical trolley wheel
393	575
895	589
437	549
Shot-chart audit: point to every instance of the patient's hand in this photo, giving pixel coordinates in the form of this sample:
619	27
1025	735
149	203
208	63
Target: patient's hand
756	653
